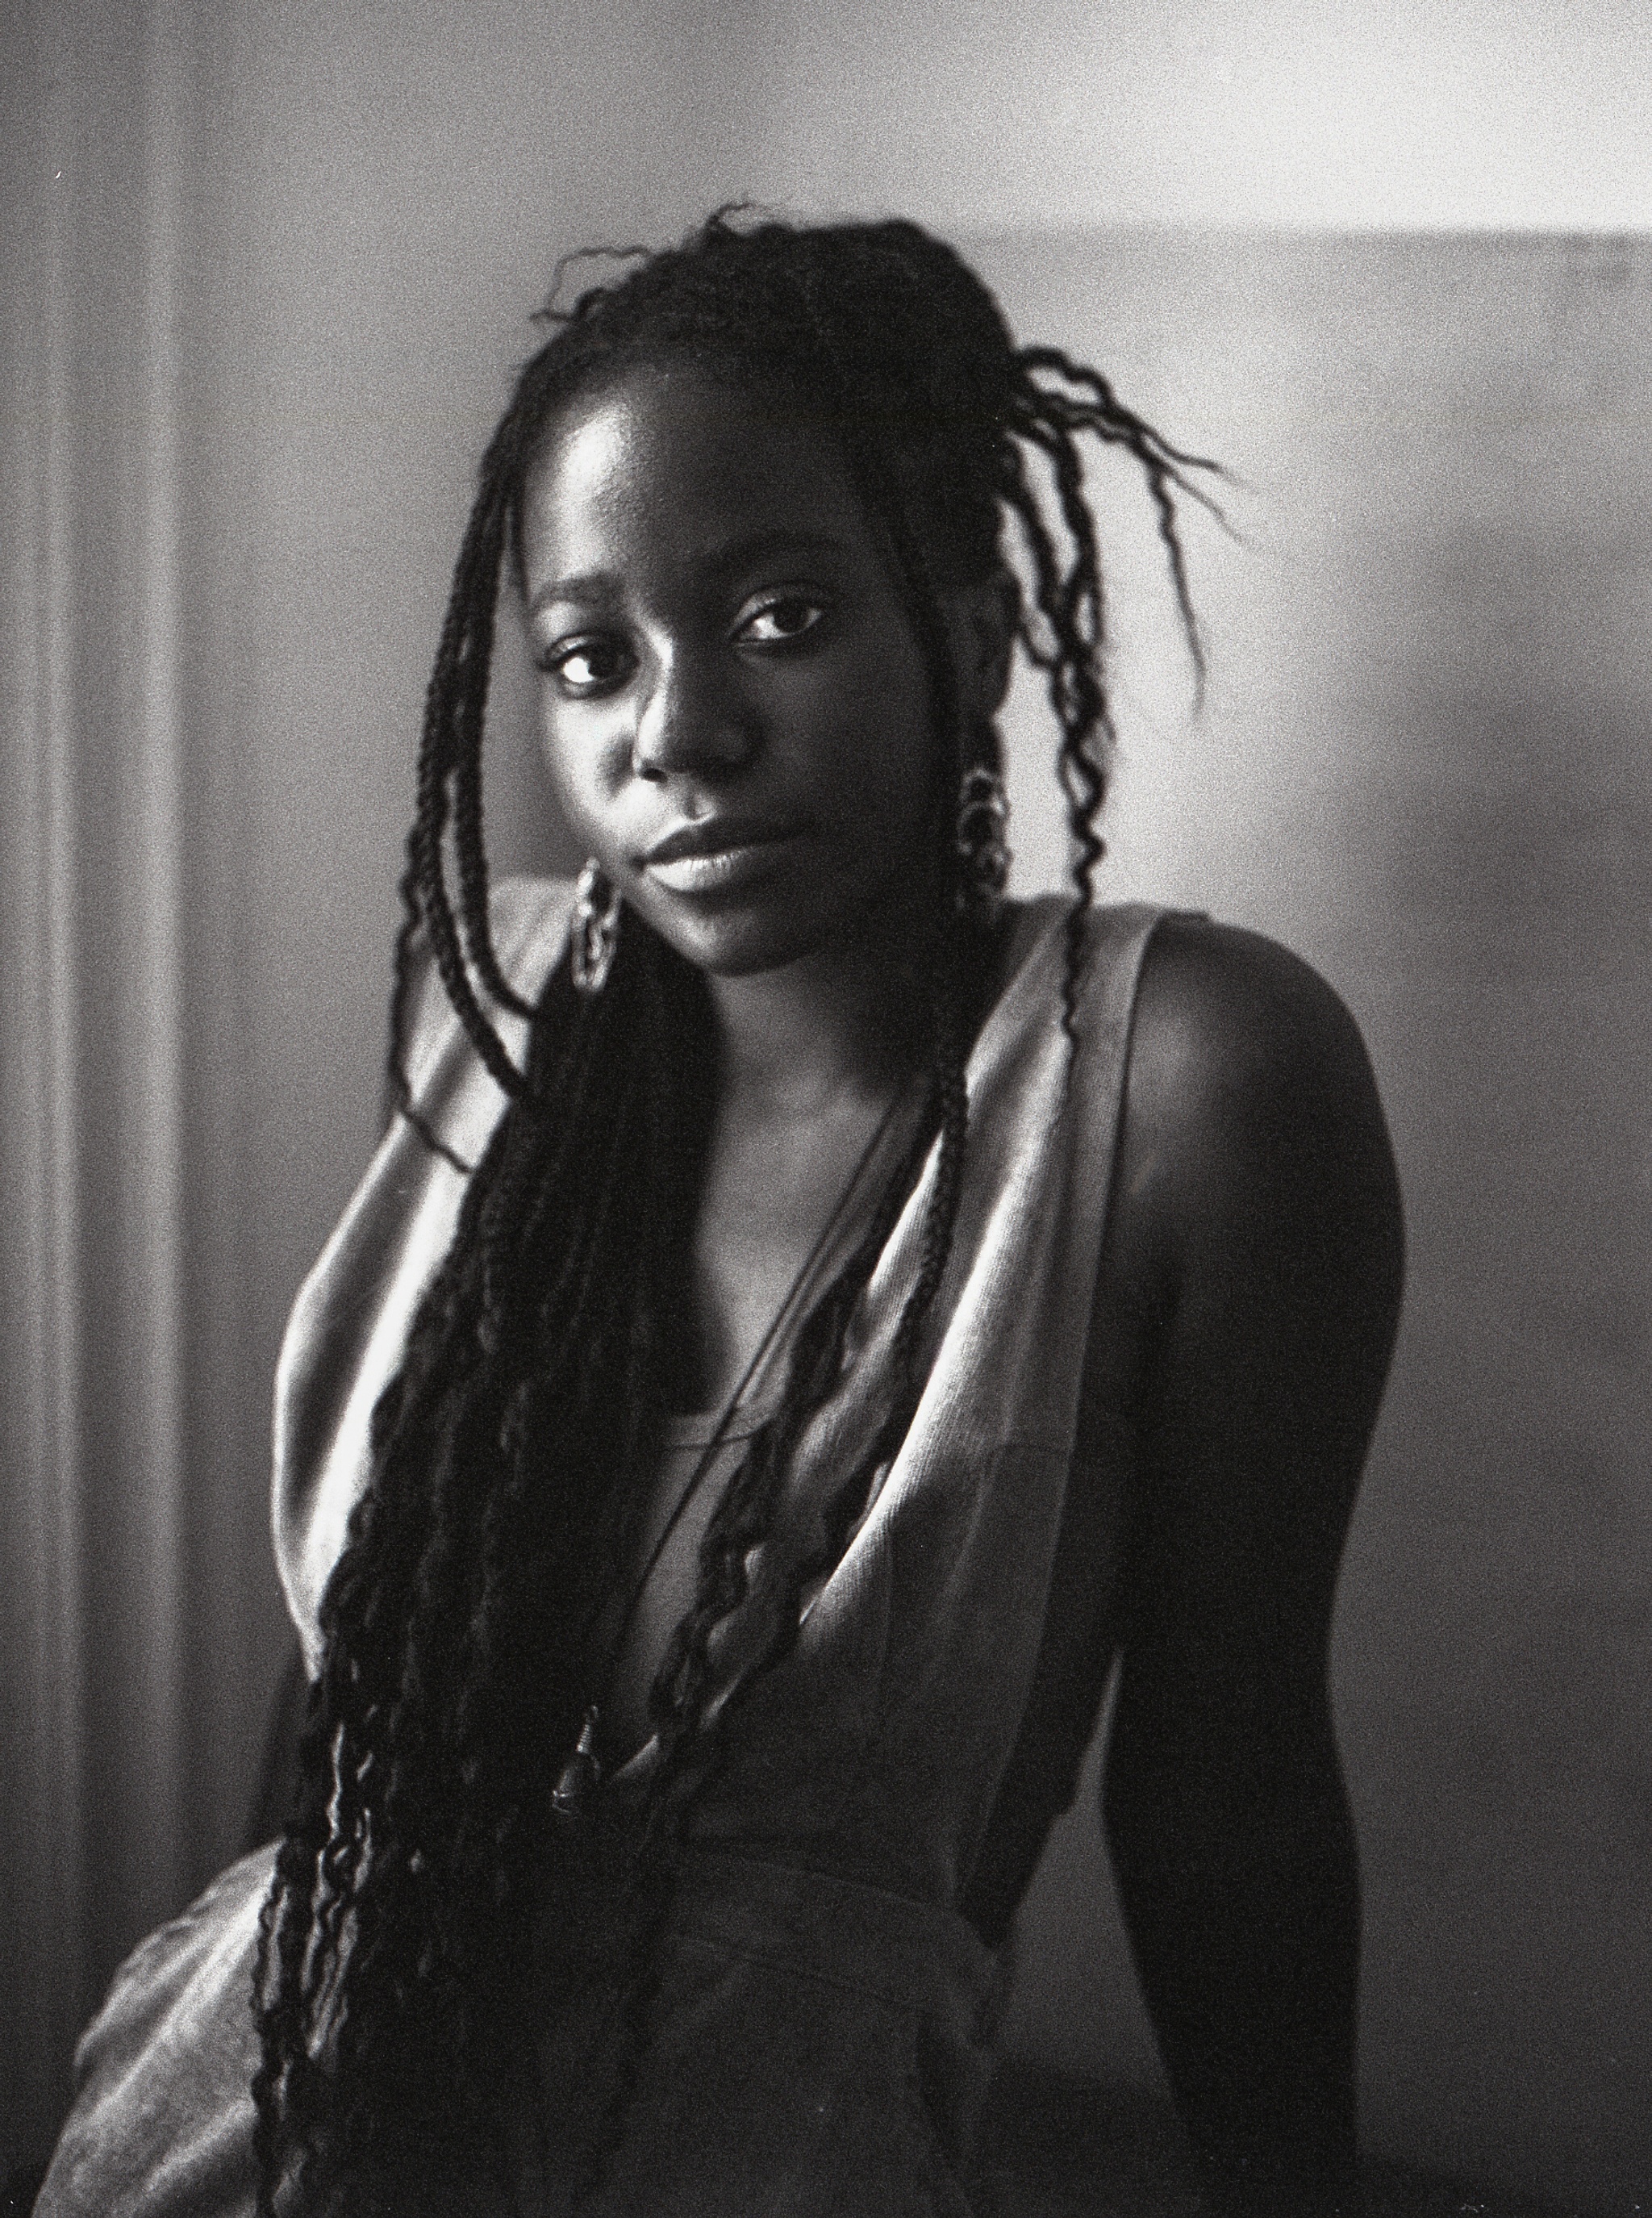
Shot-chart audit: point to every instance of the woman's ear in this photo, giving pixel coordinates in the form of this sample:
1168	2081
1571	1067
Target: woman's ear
981	620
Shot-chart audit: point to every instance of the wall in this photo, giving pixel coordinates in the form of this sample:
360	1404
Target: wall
280	259
1369	113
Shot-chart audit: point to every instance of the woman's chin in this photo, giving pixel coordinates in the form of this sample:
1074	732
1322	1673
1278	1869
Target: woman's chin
739	947
728	933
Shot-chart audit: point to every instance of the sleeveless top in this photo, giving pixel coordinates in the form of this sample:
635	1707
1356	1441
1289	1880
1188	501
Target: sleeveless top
823	1995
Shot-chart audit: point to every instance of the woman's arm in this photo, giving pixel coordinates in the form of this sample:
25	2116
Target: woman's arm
1250	1292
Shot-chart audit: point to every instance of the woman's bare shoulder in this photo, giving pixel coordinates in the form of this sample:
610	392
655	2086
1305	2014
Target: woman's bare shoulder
1251	1124
1231	1025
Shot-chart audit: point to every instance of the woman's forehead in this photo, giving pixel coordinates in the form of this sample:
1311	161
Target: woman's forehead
678	458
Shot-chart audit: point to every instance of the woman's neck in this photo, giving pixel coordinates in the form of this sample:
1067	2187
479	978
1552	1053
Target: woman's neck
844	1022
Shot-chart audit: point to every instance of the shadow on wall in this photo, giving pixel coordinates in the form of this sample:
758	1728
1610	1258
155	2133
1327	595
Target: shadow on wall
1424	765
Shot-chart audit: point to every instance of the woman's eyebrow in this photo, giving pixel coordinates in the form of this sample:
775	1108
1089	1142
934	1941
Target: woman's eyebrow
720	560
761	546
588	586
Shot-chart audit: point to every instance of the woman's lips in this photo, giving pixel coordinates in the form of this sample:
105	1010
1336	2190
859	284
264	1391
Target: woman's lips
724	868
713	857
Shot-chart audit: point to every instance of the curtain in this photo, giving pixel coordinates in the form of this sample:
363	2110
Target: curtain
111	1039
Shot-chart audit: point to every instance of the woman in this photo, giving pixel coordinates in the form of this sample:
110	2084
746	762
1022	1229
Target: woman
810	1317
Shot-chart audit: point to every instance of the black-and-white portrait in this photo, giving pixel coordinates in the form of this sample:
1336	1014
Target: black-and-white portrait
826	877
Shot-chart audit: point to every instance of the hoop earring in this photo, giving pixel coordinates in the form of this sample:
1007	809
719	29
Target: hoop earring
982	850
594	937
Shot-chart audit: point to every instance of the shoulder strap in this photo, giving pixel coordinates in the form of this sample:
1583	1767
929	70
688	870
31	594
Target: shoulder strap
1070	1678
349	1322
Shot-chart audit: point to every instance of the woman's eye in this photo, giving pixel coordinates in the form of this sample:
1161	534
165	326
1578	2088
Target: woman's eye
786	617
589	666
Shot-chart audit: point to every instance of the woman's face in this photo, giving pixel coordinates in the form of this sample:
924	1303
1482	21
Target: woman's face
731	701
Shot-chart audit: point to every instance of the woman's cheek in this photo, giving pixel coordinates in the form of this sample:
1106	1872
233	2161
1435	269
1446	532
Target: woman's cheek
588	762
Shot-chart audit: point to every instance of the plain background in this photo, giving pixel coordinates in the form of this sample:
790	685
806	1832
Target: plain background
274	265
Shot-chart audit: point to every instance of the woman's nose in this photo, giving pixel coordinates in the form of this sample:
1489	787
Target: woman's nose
692	719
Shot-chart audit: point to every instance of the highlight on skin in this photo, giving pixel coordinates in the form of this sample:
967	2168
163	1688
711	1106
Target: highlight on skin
507	1451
